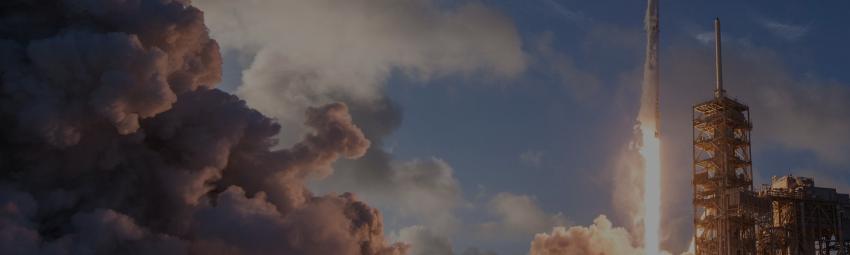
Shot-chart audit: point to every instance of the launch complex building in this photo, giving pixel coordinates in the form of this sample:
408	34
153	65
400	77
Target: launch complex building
789	216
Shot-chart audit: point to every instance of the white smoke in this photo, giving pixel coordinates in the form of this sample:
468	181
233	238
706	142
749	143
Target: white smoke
308	52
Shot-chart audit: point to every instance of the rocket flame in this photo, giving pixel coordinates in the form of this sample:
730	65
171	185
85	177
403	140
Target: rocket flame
651	153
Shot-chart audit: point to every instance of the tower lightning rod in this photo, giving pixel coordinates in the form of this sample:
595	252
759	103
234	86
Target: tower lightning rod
718	65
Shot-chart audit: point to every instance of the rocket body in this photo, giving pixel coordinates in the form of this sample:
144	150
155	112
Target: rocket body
650	86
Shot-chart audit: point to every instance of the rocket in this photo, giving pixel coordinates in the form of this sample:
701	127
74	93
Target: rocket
650	68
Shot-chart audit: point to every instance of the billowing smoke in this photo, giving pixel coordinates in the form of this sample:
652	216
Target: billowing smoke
114	141
600	238
300	53
292	54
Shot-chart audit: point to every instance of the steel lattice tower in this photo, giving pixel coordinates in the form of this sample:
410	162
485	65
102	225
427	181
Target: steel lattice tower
722	172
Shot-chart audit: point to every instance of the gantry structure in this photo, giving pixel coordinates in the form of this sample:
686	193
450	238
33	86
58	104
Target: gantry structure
722	171
801	218
790	216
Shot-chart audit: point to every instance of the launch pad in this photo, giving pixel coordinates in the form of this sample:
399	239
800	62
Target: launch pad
789	216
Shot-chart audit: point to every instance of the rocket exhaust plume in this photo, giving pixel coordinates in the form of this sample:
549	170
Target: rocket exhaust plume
650	145
601	237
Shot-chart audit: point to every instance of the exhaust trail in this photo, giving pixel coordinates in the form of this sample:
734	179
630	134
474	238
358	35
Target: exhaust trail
650	145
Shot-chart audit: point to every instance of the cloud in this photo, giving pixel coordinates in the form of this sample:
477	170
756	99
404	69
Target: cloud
804	113
786	31
311	52
424	190
429	189
411	191
517	216
306	53
425	242
571	15
581	84
476	251
533	158
706	38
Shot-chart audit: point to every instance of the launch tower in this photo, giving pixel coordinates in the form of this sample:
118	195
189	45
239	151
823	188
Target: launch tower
790	216
722	172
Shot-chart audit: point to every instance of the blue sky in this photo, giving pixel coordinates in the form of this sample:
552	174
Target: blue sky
553	131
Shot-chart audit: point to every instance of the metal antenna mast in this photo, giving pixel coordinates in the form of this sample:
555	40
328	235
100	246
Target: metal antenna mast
718	63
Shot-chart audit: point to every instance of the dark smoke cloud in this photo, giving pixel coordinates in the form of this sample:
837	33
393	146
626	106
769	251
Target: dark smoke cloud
115	142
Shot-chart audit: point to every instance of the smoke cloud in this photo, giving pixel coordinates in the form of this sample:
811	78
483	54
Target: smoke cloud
114	141
518	216
304	53
425	242
599	238
296	54
424	190
627	195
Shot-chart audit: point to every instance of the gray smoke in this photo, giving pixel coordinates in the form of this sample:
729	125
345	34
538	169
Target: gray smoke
114	141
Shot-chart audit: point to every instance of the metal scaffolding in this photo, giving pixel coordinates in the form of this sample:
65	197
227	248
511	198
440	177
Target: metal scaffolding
723	179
